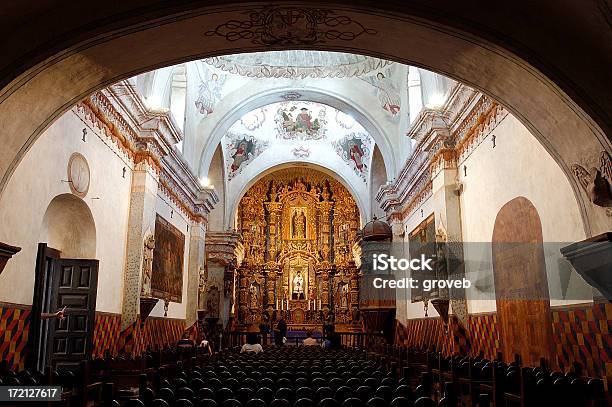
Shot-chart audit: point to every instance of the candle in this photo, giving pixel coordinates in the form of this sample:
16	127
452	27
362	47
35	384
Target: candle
287	305
319	305
276	304
308	305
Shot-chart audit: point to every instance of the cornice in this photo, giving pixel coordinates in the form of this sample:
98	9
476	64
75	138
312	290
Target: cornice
443	138
147	138
224	248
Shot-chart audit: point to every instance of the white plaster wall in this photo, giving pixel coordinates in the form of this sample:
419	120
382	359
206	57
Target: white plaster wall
217	179
170	212
37	180
517	166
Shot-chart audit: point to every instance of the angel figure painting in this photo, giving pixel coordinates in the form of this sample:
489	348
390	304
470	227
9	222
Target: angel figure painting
386	92
209	94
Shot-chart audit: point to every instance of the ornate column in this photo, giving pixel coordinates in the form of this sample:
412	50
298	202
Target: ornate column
274	211
325	209
196	270
272	272
224	253
141	226
447	215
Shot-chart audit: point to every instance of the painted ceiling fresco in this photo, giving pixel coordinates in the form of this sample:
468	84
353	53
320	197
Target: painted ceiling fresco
309	129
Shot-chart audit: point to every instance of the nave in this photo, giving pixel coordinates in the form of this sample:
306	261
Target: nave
241	192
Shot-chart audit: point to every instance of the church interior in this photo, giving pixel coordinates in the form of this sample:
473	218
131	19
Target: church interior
159	217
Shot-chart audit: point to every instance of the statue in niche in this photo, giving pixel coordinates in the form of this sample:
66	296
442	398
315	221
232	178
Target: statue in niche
344	296
253	296
147	265
202	286
298	286
212	303
299	224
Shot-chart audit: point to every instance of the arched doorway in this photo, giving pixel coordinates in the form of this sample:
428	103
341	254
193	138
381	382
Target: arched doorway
521	285
68	226
93	57
66	279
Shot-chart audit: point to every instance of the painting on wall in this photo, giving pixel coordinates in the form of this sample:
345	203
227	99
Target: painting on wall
301	121
241	150
386	92
209	92
167	275
355	150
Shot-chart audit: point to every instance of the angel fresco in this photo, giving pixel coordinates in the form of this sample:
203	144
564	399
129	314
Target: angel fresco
386	92
209	94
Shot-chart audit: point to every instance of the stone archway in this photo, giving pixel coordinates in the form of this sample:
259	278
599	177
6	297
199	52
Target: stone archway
565	109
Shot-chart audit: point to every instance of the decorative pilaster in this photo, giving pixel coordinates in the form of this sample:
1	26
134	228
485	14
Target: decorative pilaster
447	216
141	225
224	252
195	270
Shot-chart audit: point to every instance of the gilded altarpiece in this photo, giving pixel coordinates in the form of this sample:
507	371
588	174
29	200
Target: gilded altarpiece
298	228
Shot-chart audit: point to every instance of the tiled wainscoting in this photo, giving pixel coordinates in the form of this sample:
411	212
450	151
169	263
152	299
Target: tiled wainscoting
108	338
581	333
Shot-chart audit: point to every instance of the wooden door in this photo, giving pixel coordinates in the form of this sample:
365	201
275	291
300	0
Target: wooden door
521	285
74	286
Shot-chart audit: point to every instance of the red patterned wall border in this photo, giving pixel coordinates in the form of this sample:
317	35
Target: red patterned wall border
581	334
106	334
14	328
15	322
157	333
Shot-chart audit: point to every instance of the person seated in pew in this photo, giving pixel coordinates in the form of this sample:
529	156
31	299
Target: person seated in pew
332	339
309	341
205	345
252	344
185	342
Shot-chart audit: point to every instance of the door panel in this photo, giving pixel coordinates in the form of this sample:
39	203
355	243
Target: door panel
75	288
521	284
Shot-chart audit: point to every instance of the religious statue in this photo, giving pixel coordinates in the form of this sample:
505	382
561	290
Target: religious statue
299	225
298	287
253	296
147	266
212	303
344	297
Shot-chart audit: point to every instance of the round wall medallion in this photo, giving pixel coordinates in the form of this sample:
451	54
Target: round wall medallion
78	174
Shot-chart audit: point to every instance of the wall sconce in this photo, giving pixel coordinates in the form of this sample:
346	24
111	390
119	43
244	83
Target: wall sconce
84	133
493	137
124	171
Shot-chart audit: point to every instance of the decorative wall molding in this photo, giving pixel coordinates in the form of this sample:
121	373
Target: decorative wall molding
297	64
445	138
224	248
146	139
290	25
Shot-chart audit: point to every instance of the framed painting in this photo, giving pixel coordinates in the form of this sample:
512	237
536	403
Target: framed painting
167	275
